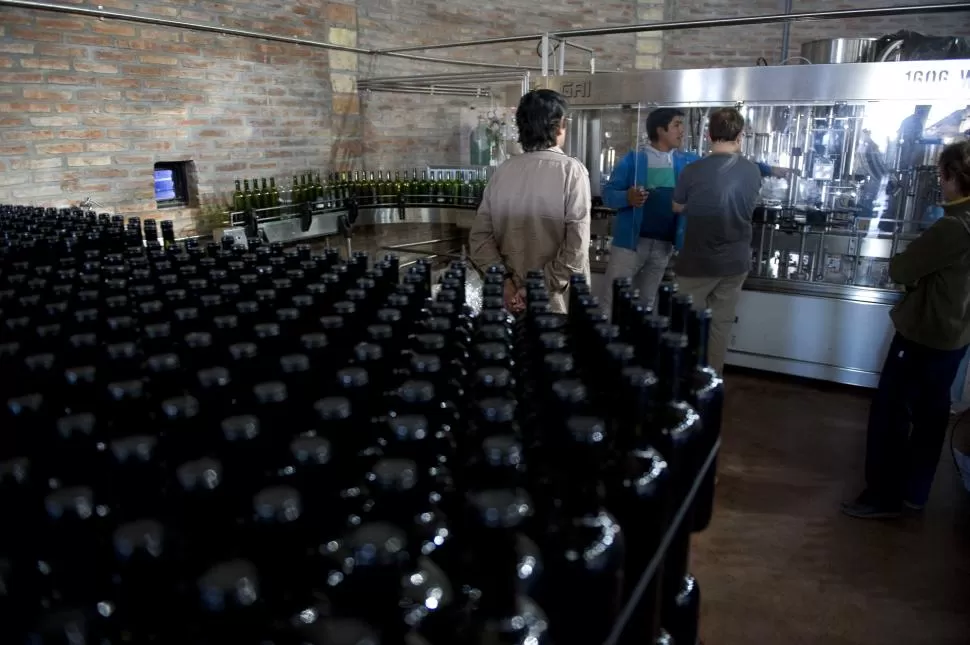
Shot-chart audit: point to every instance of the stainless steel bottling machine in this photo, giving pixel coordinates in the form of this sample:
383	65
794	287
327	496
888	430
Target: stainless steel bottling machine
858	142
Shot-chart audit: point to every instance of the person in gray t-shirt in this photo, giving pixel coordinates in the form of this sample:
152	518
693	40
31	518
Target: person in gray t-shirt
717	195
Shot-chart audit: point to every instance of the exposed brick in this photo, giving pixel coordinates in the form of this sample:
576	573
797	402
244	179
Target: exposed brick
40	164
95	68
44	63
47	95
12	122
73	79
17	48
342	14
89	161
29	33
12	108
102	146
159	60
80	134
13	179
27	135
113	28
59	148
8	77
53	121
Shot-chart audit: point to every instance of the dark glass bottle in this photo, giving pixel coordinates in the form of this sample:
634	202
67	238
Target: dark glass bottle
503	614
582	595
705	391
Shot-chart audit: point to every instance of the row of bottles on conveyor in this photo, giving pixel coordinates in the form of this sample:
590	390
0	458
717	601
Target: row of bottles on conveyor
454	188
210	444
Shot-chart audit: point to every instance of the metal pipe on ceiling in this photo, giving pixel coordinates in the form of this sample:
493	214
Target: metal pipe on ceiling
92	12
786	32
455	76
835	14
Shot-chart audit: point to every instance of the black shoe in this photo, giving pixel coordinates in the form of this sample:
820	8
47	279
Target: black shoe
867	507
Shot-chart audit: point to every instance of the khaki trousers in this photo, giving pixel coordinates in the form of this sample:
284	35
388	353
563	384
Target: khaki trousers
720	295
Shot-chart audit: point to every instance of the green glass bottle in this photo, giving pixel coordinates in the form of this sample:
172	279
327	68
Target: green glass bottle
267	195
238	199
454	188
318	188
398	184
247	196
257	195
274	192
296	192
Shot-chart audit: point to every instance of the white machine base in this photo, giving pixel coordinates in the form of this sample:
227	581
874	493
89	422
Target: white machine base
824	338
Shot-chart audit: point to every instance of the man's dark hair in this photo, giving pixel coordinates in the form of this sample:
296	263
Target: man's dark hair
725	124
538	118
661	118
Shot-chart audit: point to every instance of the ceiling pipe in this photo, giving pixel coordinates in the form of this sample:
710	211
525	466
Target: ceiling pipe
836	14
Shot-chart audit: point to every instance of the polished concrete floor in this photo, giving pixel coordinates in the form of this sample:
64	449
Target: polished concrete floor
780	565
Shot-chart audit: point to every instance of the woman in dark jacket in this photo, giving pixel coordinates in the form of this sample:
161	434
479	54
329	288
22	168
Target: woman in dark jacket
910	412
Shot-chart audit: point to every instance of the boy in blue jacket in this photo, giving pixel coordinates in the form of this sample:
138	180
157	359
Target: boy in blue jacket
646	230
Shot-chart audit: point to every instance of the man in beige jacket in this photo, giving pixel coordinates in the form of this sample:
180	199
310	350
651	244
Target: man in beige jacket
535	210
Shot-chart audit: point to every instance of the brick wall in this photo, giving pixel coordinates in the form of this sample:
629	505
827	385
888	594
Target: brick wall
741	46
88	106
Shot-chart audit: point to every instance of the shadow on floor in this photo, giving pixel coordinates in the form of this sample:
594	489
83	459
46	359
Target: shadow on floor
780	565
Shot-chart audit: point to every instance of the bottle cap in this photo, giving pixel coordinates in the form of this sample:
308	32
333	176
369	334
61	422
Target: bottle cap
263	331
365	352
180	407
302	301
270	392
247	307
378	544
15	471
73	503
389	315
229	585
394	474
316	340
637	377
409	427
294	364
332	322
493	377
655	322
492	352
430	343
81	374
163	363
559	363
503	451
198	340
201	474
138	448
549	323
244	427
380	332
552	341
352	377
346	307
213	377
243	351
494	333
414	391
501	508
311	450
139	539
495	410
76	425
230	321
621	352
674	341
333	408
287	314
587	430
125	390
570	391
438	323
278	504
607	332
425	363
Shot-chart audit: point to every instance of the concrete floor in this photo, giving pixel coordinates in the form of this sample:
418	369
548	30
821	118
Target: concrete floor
780	565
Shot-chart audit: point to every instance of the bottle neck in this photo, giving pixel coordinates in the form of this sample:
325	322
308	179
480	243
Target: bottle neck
668	373
700	339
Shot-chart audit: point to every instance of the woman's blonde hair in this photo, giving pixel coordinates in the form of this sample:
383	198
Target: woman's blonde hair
955	164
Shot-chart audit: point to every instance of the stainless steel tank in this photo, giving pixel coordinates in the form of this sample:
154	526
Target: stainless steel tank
840	50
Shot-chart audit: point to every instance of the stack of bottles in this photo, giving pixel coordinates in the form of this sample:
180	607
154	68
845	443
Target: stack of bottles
452	188
209	444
